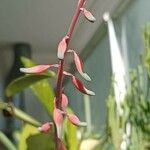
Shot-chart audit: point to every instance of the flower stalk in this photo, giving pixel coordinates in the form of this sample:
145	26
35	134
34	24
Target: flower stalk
61	100
61	62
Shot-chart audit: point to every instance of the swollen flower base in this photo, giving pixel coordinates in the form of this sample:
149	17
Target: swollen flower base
61	100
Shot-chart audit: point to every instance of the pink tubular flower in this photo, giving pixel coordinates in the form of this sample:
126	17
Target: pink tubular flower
45	127
37	69
79	65
88	15
75	120
62	47
79	85
58	117
64	102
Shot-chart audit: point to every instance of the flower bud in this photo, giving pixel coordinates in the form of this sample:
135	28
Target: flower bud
79	65
88	15
79	85
35	69
75	120
45	127
62	47
58	117
64	102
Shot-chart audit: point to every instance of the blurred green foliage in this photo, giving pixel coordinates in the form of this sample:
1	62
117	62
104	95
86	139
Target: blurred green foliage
29	136
136	110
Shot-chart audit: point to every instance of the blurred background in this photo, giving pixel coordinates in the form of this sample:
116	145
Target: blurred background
35	27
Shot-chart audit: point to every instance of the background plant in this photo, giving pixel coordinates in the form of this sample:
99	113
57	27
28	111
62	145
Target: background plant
132	129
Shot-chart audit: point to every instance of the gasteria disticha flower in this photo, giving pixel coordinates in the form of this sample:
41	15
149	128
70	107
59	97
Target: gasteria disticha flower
61	100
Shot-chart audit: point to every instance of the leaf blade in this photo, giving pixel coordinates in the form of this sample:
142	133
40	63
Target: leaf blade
23	82
42	89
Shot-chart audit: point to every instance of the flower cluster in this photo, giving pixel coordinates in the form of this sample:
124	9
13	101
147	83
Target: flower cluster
60	113
61	100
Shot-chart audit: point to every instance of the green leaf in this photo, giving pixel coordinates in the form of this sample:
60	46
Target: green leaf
23	82
45	94
41	141
42	89
70	134
6	142
27	131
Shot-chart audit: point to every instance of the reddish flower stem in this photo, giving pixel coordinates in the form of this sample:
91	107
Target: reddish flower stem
59	84
61	62
75	18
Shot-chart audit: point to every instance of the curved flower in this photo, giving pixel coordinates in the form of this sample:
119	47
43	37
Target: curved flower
78	84
37	69
79	65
